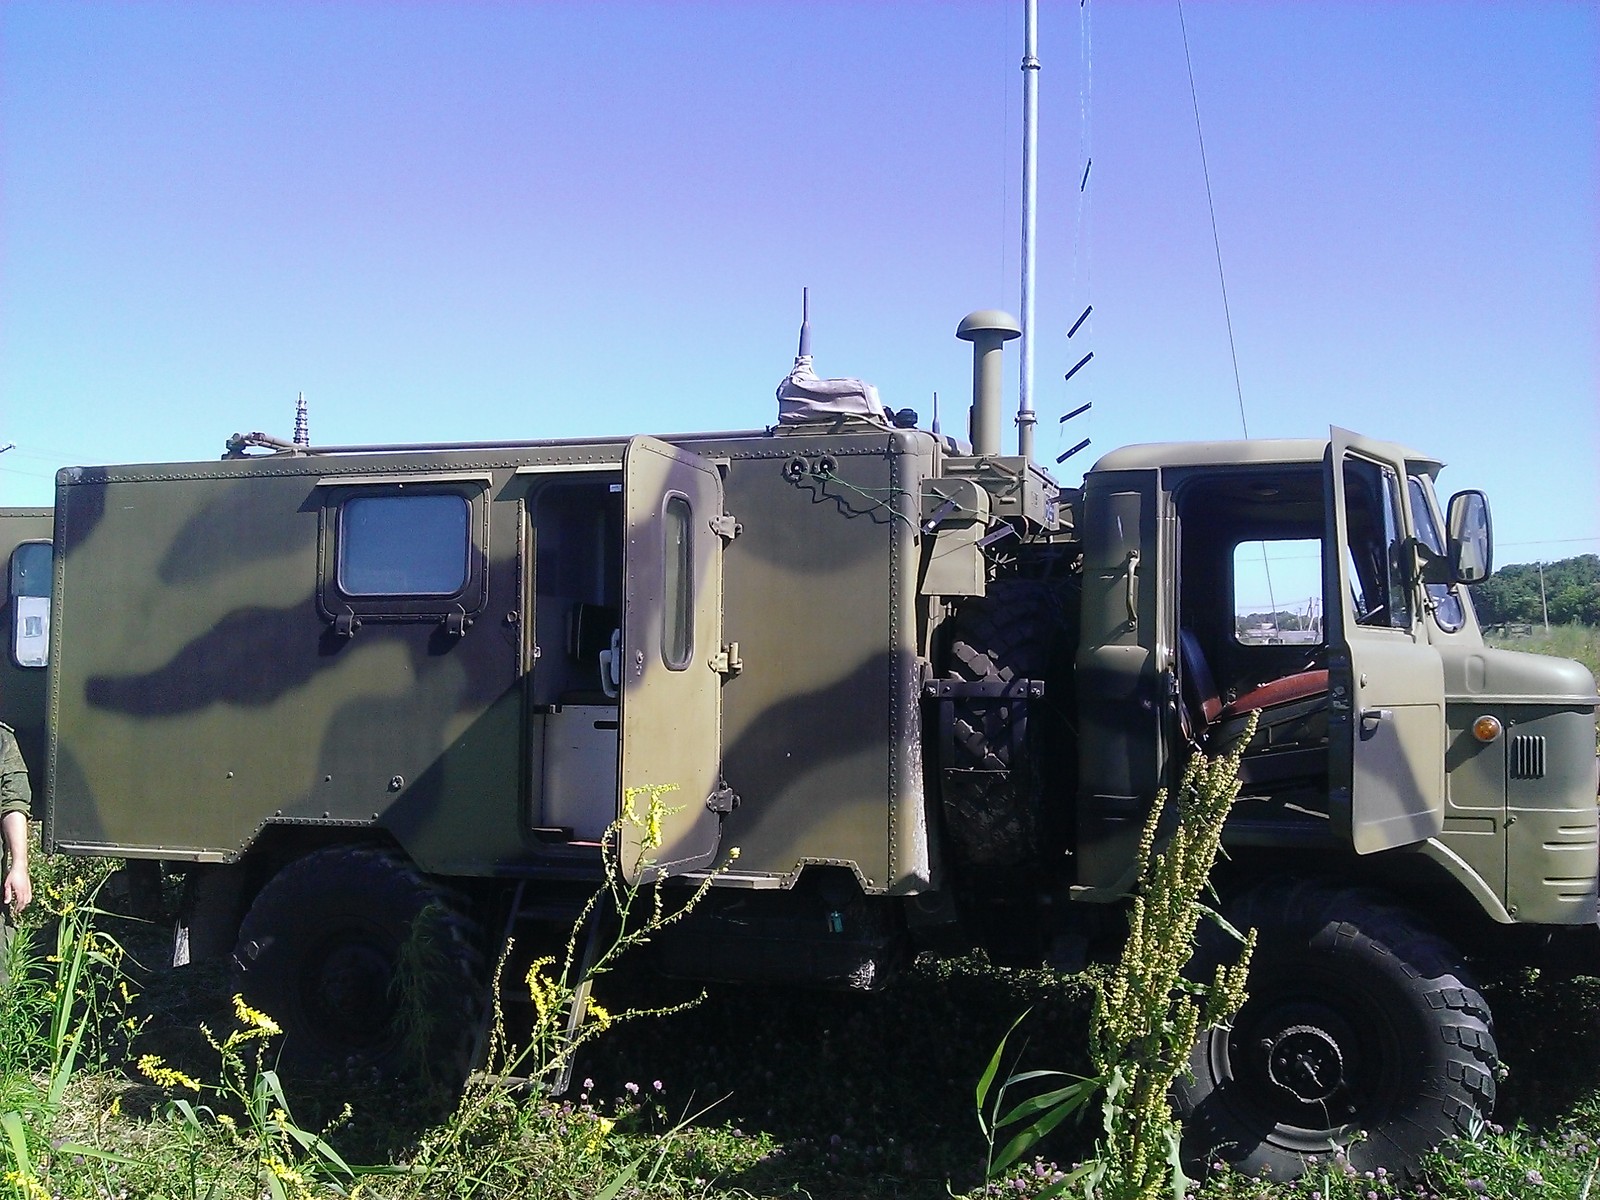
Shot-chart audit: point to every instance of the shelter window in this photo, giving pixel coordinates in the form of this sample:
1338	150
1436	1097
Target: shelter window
31	567
677	611
404	545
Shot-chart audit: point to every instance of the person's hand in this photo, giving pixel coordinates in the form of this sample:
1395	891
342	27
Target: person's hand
19	888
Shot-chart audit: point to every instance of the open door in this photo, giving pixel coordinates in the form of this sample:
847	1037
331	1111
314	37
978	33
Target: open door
1386	732
671	703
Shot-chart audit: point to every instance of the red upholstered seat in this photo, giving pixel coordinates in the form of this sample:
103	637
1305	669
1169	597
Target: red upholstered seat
1290	688
1200	688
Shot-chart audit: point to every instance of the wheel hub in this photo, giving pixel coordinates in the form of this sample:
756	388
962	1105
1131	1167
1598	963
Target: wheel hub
1305	1060
348	989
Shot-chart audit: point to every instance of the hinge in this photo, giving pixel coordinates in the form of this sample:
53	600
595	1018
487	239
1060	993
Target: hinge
727	661
726	528
723	800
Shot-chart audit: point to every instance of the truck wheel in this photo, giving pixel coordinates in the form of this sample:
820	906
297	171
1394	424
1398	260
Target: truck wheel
365	964
1361	1032
991	789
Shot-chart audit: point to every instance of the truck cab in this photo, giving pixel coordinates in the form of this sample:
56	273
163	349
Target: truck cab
1322	587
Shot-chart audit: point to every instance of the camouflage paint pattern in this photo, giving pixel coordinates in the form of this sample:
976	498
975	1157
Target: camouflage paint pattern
233	688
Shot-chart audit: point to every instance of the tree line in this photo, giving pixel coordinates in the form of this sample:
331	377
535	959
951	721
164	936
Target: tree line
1571	592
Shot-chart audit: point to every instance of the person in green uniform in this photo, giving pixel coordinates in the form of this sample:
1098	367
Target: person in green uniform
16	799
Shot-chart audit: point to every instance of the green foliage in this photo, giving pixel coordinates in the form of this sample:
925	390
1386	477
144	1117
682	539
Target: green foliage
53	1010
451	1160
1147	1015
1571	591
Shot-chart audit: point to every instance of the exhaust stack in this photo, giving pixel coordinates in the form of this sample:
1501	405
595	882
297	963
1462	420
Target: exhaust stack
988	330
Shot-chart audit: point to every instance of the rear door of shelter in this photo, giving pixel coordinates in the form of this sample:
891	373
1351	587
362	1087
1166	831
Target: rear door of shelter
669	679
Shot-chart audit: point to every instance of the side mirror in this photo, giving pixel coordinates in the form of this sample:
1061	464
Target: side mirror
1471	533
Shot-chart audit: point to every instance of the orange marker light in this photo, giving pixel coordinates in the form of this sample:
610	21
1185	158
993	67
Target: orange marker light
1486	729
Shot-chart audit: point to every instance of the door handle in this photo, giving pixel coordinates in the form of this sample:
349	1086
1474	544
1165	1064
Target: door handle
1132	569
1371	718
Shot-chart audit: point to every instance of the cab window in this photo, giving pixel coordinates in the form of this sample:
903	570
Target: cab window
1379	570
1277	592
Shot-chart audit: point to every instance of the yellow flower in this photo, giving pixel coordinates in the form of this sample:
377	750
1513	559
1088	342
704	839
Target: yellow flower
597	1136
283	1170
165	1076
255	1018
599	1015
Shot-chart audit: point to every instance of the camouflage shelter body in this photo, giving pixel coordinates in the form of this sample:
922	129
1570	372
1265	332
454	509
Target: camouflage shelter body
239	690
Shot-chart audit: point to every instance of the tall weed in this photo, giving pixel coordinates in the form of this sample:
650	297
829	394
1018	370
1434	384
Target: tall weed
1147	1014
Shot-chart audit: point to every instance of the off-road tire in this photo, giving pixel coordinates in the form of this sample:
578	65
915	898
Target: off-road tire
1361	1031
321	952
991	789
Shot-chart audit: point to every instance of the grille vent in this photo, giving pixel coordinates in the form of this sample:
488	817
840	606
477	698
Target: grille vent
1527	756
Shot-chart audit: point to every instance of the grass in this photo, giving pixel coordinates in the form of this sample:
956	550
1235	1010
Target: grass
791	1094
1574	640
1581	642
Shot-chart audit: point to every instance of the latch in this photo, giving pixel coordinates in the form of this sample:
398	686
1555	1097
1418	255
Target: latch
723	800
345	624
726	528
727	661
456	623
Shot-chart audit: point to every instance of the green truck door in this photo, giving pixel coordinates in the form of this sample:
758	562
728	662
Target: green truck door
1386	705
671	704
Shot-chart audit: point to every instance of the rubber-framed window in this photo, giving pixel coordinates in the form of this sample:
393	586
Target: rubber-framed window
677	559
404	551
404	545
32	564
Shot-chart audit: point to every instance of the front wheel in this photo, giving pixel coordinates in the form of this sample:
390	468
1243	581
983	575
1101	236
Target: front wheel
1361	1032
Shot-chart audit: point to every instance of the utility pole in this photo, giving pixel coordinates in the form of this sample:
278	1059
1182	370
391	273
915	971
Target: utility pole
1543	603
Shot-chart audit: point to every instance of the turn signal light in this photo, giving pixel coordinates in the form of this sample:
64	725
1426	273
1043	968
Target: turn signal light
1486	729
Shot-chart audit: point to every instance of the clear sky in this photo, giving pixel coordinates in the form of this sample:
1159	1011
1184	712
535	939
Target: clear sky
452	221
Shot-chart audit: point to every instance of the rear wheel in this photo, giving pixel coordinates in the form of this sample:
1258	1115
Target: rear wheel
1361	1032
365	963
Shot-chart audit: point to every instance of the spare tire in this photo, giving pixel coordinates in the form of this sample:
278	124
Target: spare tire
991	781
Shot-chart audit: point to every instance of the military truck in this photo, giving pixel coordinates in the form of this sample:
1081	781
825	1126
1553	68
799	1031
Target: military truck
928	694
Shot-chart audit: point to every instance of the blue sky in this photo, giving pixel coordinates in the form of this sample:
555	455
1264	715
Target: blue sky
461	221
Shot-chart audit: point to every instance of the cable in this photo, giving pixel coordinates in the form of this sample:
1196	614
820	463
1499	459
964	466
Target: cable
1216	240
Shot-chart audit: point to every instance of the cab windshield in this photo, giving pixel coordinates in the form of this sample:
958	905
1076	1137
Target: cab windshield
1443	599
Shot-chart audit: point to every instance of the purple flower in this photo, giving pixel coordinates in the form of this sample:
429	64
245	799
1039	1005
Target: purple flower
659	1086
1477	1186
1534	1177
633	1088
